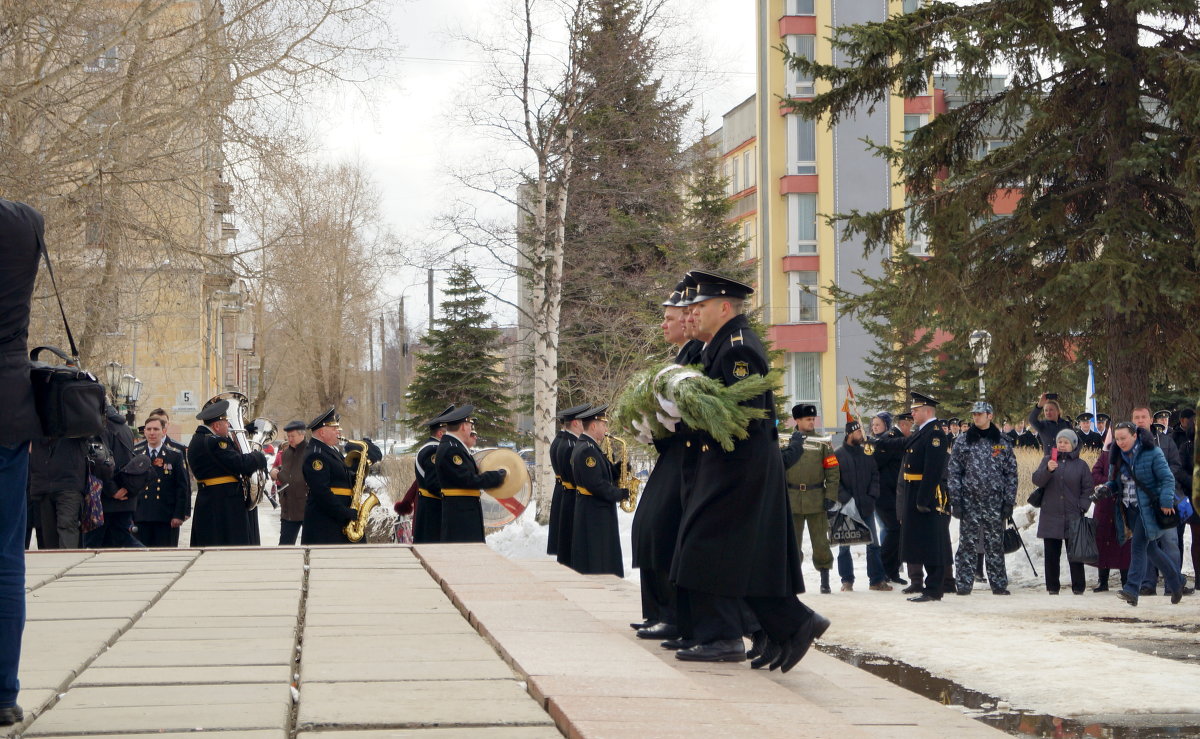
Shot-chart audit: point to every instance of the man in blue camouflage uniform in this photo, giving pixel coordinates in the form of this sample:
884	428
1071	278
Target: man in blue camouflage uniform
982	485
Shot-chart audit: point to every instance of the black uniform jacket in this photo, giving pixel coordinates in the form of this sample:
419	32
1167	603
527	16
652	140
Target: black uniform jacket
595	542
556	497
889	449
427	520
330	486
220	517
168	491
462	515
736	536
566	519
925	537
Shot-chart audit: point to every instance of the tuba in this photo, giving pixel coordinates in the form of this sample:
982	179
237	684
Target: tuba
264	433
363	500
625	478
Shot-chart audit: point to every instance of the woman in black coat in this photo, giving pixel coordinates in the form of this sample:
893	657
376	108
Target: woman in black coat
1067	480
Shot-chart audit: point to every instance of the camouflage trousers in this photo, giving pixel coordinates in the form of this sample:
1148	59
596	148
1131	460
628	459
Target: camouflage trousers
978	522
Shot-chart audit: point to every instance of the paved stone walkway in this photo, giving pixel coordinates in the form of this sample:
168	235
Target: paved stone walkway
373	642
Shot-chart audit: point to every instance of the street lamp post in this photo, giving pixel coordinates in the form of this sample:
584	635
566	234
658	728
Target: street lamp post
131	388
980	342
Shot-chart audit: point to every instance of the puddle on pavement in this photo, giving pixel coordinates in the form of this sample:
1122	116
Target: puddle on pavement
983	707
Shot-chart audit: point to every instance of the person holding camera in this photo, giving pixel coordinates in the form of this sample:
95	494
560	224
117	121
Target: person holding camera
1141	481
1067	481
1047	428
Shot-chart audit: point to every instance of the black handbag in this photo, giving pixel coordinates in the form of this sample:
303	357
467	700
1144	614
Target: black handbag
1081	541
1164	520
1011	539
70	401
1035	498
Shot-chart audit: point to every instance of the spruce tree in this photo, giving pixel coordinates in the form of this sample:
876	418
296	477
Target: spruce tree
462	363
1099	108
896	366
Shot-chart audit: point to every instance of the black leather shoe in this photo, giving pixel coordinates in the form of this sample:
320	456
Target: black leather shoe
1148	591
10	715
1124	595
796	647
659	630
897	579
1102	588
757	644
1000	591
722	650
922	599
914	588
962	591
678	643
771	652
643	625
1176	596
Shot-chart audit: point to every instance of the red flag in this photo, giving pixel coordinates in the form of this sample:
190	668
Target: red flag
849	399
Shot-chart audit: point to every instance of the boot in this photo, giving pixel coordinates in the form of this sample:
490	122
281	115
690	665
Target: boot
825	582
1102	577
979	575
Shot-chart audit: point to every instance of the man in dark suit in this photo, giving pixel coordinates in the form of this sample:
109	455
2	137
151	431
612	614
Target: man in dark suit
20	247
328	507
559	457
462	514
220	468
736	542
166	500
925	536
427	518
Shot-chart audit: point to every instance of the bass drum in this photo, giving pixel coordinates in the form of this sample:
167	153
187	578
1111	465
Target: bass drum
503	505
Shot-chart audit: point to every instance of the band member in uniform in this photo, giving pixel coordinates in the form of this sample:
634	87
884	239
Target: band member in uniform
220	513
566	517
925	537
889	448
813	476
736	542
166	500
1088	439
330	484
462	514
427	519
595	541
557	460
656	520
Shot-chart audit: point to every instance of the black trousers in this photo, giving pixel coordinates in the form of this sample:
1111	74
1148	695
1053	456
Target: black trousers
935	581
889	548
1053	549
658	597
157	534
288	531
715	617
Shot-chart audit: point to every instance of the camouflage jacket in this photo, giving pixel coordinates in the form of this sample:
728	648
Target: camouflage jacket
982	468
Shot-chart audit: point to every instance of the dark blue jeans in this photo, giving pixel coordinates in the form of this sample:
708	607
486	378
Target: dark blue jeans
1150	552
875	571
14	473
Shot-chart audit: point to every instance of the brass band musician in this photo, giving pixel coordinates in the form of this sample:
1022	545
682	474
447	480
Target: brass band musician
220	517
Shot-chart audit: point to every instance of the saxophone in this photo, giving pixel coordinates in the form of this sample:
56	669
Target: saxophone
362	504
624	478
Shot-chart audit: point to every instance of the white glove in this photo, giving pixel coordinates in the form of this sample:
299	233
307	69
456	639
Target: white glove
644	434
668	406
669	422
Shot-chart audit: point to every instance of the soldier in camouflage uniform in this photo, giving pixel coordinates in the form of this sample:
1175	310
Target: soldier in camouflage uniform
982	485
812	481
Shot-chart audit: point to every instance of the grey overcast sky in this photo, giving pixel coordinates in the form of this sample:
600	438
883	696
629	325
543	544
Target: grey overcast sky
406	140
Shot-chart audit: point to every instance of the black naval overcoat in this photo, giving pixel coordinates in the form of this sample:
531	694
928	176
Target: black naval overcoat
660	505
556	497
427	519
595	539
566	519
462	514
220	514
168	491
925	536
736	536
330	484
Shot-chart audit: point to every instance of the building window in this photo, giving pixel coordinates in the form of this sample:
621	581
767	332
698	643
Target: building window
918	239
912	123
987	146
802	137
105	60
800	84
804	378
802	223
802	297
735	184
728	178
748	166
747	239
801	7
910	6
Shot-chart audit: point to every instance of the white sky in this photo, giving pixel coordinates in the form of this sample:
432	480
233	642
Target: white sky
404	135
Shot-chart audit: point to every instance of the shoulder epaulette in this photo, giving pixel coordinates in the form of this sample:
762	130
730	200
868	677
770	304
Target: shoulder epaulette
736	338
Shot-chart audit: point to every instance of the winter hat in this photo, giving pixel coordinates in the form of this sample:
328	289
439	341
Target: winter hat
885	417
1070	436
852	426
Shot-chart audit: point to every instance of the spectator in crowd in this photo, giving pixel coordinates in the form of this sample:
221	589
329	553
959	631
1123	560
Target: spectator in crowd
1184	437
859	481
57	483
121	488
888	442
165	501
982	484
1114	555
1067	481
288	474
1141	481
20	246
1047	428
1170	540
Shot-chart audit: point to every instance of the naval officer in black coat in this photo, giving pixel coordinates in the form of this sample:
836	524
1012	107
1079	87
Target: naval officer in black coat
220	469
925	536
461	481
735	538
166	500
560	457
596	542
427	518
330	484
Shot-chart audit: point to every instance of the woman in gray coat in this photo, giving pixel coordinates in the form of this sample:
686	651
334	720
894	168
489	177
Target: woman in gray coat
1067	481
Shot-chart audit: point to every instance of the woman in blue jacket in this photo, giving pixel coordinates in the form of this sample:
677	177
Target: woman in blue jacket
1141	481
